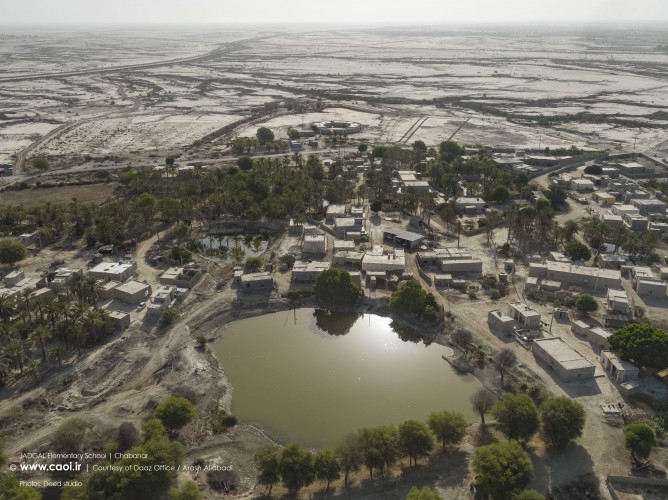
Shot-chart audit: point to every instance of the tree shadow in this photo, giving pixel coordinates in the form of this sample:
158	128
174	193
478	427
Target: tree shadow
483	436
559	466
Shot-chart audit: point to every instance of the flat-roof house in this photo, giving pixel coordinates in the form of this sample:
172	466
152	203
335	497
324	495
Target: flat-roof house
462	266
524	315
633	194
623	209
599	336
133	292
632	168
618	301
603	198
315	243
256	281
119	320
566	362
620	370
307	272
182	277
572	274
376	261
343	225
470	205
612	220
636	222
582	185
579	327
499	321
334	212
343	245
646	207
113	271
14	277
610	260
63	275
348	258
161	299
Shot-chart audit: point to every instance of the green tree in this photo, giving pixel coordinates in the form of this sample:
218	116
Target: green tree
293	134
380	447
483	401
254	264
575	250
264	135
500	193
180	254
586	303
449	427
562	420
335	287
420	147
69	435
40	163
326	467
528	495
411	300
516	416
288	260
376	206
426	493
642	344
504	360
639	440
187	490
296	468
502	469
12	251
267	463
415	440
169	315
175	412
449	150
349	454
245	163
362	148
593	169
169	161
537	393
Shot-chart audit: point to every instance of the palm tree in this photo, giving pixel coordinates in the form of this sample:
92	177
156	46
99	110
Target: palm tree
40	336
6	308
237	253
74	285
570	229
16	350
26	296
458	226
57	352
91	290
5	368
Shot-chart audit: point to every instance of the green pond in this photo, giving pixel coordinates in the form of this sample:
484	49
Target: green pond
311	377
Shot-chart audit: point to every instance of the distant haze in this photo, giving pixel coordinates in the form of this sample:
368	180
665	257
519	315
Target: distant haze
73	12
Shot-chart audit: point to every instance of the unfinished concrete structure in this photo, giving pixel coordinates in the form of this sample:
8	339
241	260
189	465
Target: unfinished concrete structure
113	271
181	277
620	371
59	279
571	274
499	321
524	315
161	300
348	259
565	361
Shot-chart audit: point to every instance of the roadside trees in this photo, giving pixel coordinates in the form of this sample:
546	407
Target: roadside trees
502	469
639	440
12	251
175	412
483	401
415	440
326	467
562	420
516	416
349	454
643	344
380	447
449	427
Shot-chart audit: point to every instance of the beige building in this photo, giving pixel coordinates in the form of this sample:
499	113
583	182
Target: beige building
499	321
315	243
619	370
182	277
524	315
161	299
307	272
566	362
571	274
133	292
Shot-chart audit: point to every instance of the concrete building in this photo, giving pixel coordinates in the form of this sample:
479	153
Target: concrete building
181	277
348	259
620	371
636	222
461	266
579	327
344	225
133	292
14	278
558	257
315	243
256	281
646	283
108	289
376	261
646	207
633	194
470	205
603	198
623	209
571	274
295	228
404	238
499	321
113	271
43	294
582	185
335	212
612	220
435	257
119	320
618	301
610	260
59	278
599	337
307	272
524	315
631	168
565	361
343	245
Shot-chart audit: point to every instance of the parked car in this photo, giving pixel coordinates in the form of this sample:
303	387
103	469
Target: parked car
141	306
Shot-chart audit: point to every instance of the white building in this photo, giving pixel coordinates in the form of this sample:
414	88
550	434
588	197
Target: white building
114	271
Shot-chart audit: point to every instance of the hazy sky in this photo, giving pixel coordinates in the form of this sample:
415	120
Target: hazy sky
327	11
